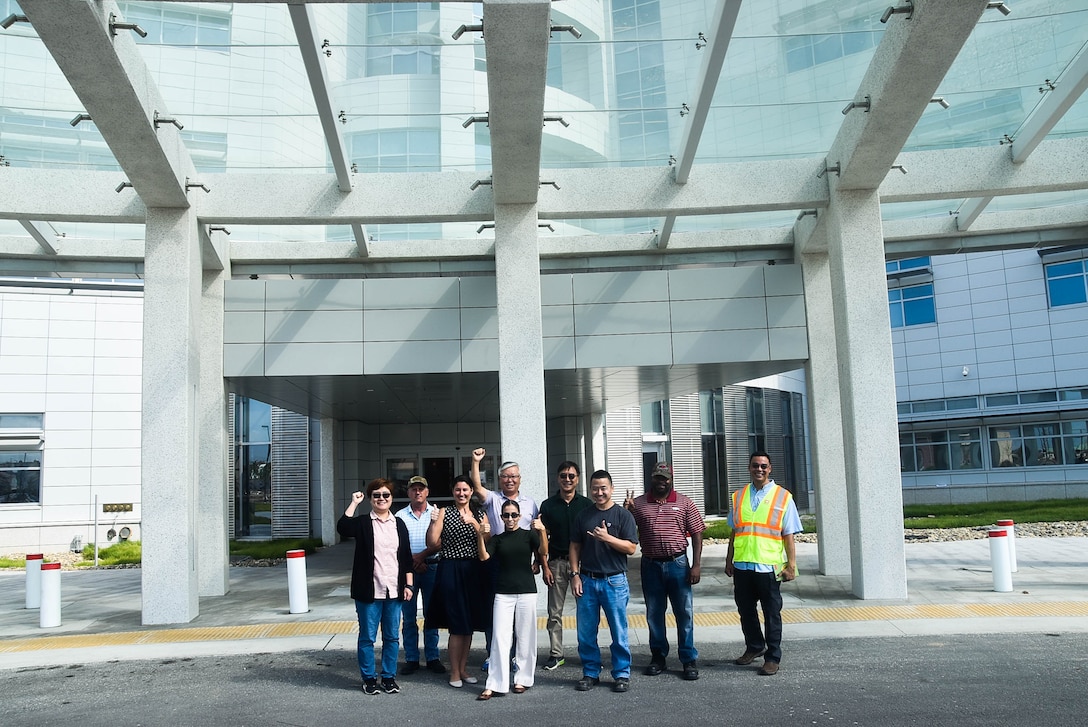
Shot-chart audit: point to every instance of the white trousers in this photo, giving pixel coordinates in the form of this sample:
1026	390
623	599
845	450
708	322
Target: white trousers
514	615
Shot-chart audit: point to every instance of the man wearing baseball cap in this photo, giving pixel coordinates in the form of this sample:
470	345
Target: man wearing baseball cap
417	516
665	519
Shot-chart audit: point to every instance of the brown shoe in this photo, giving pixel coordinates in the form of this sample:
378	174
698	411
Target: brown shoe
749	656
769	669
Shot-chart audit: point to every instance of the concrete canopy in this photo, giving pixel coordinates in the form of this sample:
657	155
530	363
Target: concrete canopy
109	75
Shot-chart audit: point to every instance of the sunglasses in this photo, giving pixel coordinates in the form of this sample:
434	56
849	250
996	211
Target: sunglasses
566	476
510	515
381	495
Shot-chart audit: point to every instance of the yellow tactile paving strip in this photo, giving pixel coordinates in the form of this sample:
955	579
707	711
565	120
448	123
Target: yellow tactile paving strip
331	628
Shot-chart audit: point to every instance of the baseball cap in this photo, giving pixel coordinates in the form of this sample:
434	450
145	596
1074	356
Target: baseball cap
417	480
662	469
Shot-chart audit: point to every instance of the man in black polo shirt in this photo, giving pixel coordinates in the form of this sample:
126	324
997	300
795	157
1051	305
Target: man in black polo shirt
558	513
600	541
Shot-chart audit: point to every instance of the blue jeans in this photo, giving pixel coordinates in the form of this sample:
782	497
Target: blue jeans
410	628
387	613
661	581
611	595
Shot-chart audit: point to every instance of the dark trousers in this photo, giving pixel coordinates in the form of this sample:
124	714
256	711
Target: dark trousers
749	589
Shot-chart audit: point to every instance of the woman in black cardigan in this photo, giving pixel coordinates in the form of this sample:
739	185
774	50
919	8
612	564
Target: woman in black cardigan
381	579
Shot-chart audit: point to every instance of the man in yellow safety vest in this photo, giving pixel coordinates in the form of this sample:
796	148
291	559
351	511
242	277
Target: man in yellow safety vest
761	556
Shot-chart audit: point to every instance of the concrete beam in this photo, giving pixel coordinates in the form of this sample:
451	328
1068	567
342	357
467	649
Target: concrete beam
908	66
516	34
302	19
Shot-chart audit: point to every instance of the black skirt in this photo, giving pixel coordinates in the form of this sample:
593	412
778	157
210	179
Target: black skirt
462	599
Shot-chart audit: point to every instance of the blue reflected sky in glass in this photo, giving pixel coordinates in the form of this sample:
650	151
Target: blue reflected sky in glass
786	78
994	82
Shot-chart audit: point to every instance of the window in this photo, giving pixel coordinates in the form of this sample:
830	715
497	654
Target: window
1030	445
653	418
913	263
1065	283
640	80
941	450
390	23
1075	442
396	150
757	430
912	306
807	51
20	459
209	28
253	468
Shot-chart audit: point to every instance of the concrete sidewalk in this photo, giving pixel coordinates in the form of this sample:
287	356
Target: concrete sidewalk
949	592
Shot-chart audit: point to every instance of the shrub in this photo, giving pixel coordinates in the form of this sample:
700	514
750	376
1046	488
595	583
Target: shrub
128	552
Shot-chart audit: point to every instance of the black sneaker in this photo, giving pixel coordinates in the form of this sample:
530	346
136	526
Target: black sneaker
655	667
435	666
410	667
389	685
554	663
370	686
586	683
622	684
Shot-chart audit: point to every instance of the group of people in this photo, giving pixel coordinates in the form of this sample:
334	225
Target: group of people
476	567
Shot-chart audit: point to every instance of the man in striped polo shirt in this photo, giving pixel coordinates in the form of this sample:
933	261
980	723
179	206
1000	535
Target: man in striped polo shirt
665	519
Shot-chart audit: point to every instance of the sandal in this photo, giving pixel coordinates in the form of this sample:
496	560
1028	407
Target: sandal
485	695
519	689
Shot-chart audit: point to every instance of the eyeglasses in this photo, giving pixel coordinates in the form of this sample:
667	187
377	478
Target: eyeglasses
509	477
511	515
568	476
381	495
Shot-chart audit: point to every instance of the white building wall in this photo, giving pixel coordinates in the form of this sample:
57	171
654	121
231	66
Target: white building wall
995	334
76	359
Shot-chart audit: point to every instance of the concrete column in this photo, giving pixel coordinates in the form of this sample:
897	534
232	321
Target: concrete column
328	482
825	417
213	550
171	381
867	395
521	351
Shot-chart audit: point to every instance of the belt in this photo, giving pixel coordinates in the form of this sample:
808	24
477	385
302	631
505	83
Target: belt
667	558
556	556
431	561
595	574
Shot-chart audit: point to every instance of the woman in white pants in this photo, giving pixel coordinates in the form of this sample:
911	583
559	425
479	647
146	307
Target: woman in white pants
514	613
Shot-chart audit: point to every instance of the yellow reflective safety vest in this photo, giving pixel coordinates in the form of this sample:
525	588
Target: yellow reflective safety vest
757	536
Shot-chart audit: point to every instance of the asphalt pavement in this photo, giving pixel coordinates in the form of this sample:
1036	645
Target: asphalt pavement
953	652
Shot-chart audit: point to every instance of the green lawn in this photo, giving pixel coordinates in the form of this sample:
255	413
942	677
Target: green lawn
961	516
988	513
265	549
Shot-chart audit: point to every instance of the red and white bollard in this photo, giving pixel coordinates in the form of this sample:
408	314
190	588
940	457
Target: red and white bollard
999	560
49	612
34	579
296	581
1010	527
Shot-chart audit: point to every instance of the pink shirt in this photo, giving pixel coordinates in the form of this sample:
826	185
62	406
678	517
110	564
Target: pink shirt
386	569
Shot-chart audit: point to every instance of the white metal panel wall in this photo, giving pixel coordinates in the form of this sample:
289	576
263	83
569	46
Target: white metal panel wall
232	475
735	413
623	450
686	437
290	474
